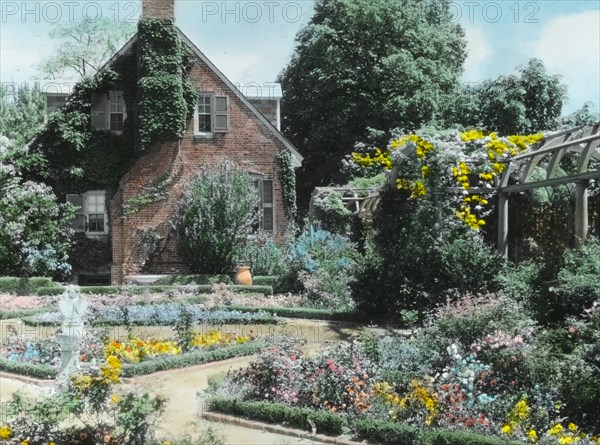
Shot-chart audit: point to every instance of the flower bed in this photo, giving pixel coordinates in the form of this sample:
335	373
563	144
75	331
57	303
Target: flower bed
138	356
481	366
136	290
300	312
156	314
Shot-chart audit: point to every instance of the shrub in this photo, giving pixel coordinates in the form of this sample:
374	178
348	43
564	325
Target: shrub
24	286
577	285
320	264
390	432
217	214
305	418
471	318
262	254
35	231
29	369
418	255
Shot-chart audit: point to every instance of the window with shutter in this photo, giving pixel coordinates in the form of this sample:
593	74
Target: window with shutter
211	115
90	215
108	111
264	187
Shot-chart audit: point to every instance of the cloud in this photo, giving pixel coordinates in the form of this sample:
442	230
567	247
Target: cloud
478	49
569	45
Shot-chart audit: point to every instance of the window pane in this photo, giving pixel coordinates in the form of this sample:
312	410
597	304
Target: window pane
116	122
221	123
204	124
96	223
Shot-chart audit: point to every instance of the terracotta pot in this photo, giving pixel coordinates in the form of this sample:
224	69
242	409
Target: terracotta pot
243	276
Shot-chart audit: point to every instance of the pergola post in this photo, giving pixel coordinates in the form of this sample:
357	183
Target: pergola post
581	211
503	224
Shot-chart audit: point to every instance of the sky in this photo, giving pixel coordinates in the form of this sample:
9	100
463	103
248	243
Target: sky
251	41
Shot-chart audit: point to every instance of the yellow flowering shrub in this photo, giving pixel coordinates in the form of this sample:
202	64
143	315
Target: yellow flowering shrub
213	338
499	152
5	432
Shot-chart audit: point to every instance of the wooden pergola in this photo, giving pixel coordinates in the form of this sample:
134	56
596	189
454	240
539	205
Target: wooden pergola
521	174
518	177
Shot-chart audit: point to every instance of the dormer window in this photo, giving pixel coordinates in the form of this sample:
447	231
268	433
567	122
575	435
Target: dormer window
211	115
108	111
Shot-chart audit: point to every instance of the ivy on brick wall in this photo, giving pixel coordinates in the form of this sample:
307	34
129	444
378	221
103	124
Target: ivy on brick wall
287	177
167	98
73	157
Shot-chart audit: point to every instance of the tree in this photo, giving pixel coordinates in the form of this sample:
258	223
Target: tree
366	63
528	102
86	46
22	113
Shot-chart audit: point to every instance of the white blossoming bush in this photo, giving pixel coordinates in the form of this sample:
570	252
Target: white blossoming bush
35	229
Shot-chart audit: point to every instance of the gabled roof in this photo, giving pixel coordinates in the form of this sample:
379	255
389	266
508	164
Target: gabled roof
296	156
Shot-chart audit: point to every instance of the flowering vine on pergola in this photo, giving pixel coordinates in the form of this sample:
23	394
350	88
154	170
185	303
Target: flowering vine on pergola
477	165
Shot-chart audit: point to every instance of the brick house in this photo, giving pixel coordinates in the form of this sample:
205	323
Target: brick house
226	125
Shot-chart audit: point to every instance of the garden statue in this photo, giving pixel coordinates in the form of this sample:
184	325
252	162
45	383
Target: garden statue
72	308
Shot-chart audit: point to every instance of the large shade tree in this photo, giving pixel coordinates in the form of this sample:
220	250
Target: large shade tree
362	64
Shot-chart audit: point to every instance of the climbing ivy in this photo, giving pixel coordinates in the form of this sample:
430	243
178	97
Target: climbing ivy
287	177
73	157
167	97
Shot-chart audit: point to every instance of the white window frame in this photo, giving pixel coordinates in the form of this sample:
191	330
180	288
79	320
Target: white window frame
260	180
102	110
84	210
213	113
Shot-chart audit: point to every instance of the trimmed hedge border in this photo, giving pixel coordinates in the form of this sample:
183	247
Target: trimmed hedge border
147	367
256	321
31	370
293	312
191	359
324	421
399	433
24	286
335	424
194	279
153	289
7	315
279	286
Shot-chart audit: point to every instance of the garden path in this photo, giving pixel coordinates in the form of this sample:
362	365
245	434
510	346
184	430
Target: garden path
181	386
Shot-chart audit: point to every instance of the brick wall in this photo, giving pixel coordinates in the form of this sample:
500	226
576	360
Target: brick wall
159	9
248	143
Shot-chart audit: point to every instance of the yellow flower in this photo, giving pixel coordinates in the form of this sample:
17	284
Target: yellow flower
507	429
25	442
572	426
425	171
472	135
532	434
115	398
5	432
556	429
565	440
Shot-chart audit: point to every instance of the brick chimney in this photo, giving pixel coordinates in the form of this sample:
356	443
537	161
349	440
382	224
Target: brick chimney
158	9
